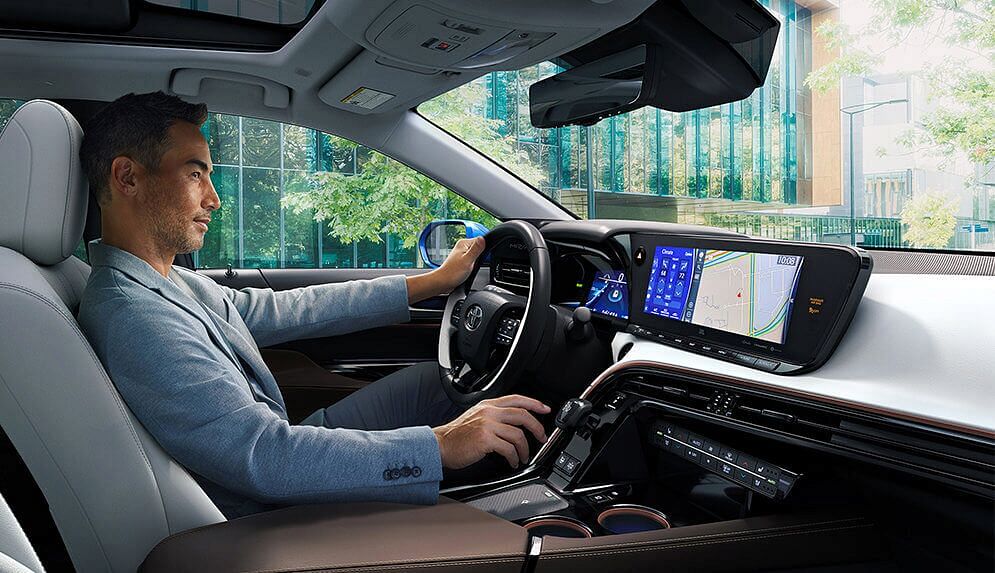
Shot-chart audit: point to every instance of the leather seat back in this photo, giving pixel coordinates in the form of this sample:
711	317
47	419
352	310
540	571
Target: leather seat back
112	490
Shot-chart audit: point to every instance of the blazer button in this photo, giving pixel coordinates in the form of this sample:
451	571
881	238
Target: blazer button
395	473
386	475
415	471
405	472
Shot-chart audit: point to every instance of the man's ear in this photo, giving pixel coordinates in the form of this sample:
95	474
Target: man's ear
125	176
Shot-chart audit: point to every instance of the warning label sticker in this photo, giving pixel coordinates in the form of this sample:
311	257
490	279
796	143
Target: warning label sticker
367	98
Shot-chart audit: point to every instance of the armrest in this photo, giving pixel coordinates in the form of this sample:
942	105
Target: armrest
751	544
447	537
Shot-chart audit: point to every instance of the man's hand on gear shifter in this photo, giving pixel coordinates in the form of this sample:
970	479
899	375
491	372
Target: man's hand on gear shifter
494	425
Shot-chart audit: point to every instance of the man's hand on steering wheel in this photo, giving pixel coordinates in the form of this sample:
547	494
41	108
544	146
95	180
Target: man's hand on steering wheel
453	272
491	426
459	264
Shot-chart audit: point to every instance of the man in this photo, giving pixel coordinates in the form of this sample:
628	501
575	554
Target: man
183	351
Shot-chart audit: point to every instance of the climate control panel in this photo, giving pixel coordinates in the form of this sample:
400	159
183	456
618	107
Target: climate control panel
748	471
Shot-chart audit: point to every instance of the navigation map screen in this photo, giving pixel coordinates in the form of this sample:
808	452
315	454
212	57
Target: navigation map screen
744	293
609	295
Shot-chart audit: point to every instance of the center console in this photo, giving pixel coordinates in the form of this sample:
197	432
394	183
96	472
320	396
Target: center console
630	478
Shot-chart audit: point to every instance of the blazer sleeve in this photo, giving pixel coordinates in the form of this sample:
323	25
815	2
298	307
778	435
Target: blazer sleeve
321	310
201	411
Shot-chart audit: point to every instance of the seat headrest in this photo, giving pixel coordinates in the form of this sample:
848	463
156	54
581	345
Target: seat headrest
43	192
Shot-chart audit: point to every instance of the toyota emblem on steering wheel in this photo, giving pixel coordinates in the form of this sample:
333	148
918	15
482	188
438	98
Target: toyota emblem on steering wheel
474	315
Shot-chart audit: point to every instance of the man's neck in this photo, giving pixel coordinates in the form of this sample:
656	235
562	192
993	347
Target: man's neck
142	247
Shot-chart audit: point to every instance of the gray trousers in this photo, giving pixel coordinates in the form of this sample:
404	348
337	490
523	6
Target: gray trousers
412	396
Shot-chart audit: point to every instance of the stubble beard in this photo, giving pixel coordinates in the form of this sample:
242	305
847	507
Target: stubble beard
170	230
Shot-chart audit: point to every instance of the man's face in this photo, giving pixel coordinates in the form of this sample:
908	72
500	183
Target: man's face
180	197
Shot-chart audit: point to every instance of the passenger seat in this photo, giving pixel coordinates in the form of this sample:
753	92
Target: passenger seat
16	554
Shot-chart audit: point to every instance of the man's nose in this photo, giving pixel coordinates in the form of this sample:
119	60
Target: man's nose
212	200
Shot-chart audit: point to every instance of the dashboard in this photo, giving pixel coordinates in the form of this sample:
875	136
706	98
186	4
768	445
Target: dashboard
770	305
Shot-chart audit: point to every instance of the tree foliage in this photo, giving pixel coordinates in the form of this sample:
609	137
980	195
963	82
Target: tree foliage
386	196
929	221
964	118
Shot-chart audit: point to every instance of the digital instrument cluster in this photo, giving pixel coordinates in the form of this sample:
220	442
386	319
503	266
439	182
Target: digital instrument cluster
609	294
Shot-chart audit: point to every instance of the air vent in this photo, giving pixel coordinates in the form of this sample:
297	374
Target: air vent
514	274
963	460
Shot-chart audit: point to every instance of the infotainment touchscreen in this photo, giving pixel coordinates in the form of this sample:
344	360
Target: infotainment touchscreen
609	295
744	293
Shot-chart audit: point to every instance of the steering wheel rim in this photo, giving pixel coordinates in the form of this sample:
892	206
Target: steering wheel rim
494	305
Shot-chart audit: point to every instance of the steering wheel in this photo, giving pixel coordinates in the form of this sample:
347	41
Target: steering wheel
489	336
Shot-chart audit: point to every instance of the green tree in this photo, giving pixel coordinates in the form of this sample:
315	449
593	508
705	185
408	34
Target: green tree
964	119
7	109
386	196
929	221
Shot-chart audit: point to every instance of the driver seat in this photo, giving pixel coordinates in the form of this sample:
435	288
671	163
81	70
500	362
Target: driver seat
112	491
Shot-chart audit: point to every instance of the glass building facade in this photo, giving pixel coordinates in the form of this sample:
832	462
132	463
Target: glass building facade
757	149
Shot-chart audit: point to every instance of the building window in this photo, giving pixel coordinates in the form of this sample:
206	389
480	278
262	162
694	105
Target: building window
264	171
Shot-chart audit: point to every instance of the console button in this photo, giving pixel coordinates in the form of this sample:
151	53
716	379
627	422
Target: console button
743	476
711	448
616	400
765	364
675	432
708	461
639	257
691	454
570	467
768	471
745	359
729	455
696	441
727	469
746	462
561	461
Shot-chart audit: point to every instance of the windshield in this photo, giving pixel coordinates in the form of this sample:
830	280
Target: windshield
875	127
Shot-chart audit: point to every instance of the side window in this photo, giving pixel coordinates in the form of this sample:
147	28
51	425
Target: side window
7	109
293	197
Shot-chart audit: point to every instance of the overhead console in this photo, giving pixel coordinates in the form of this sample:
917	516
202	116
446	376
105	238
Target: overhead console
775	306
413	50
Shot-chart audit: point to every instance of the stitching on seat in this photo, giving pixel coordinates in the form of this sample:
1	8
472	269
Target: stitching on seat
27	195
93	357
712	535
69	484
666	547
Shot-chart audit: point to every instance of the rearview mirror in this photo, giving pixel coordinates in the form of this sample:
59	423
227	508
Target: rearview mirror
438	238
588	93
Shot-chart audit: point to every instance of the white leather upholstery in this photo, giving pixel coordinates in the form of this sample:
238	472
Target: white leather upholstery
41	184
111	489
16	553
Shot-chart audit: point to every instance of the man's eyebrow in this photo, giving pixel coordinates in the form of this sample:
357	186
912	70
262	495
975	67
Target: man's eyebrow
199	163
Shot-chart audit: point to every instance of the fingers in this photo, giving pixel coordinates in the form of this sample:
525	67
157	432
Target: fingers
505	448
519	401
516	437
521	417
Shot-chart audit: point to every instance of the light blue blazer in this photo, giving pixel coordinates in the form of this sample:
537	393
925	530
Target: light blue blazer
191	372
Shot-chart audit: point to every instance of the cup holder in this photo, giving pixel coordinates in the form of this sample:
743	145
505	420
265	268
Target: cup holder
632	518
556	526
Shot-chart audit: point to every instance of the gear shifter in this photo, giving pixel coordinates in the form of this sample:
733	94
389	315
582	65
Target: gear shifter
573	414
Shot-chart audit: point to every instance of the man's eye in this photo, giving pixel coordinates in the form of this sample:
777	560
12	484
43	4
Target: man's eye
195	174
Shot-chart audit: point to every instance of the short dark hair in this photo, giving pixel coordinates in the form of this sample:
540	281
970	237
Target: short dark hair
136	126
